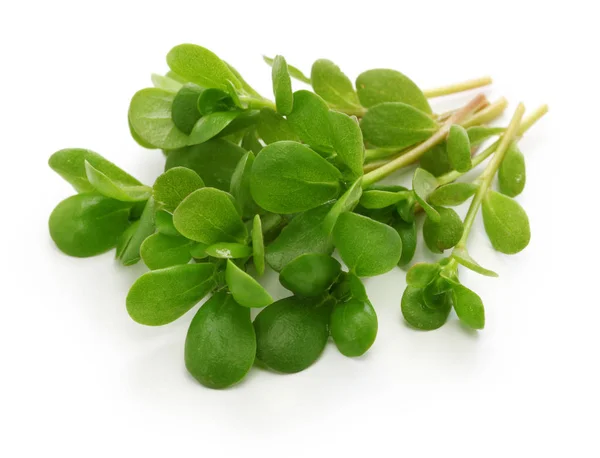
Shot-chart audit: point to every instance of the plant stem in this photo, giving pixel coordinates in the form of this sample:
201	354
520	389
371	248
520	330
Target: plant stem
488	174
415	153
478	159
488	114
458	87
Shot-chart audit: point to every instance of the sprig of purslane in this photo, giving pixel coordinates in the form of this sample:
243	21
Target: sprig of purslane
252	182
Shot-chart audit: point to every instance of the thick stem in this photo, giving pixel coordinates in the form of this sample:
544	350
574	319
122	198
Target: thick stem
257	104
488	114
413	155
488	174
458	87
479	158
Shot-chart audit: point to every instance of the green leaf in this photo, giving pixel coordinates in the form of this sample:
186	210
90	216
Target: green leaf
418	314
272	127
452	194
125	238
383	85
198	251
406	209
445	233
422	273
245	289
511	174
435	160
463	257
151	119
459	148
164	223
282	85
347	141
468	306
88	224
345	203
200	66
174	185
240	186
368	247
250	141
437	294
310	274
208	215
184	111
214	100
348	287
159	251
505	222
353	327
70	164
293	71
288	177
258	246
215	161
226	250
479	134
309	118
139	140
304	234
145	228
408	235
396	125
220	346
424	183
211	125
379	198
165	82
291	334
333	85
114	189
161	296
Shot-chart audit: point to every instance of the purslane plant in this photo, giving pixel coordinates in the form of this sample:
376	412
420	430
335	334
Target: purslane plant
251	182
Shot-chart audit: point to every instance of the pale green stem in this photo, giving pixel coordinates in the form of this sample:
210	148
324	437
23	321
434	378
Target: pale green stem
488	174
458	87
414	154
488	114
478	159
357	111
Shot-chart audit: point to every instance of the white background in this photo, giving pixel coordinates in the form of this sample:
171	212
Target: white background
80	379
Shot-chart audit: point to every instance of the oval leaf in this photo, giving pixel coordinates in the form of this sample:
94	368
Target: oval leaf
214	100
115	190
151	118
368	247
310	274
333	85
211	125
408	235
161	296
421	274
282	86
379	198
184	110
220	346
200	66
468	306
164	223
418	314
288	177
245	289
70	164
445	233
174	185
435	160
453	194
505	222
145	227
304	234
353	327
160	251
272	127
511	174
424	183
459	148
88	224
226	250
347	141
208	215
240	186
258	245
396	125
384	85
310	120
291	334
